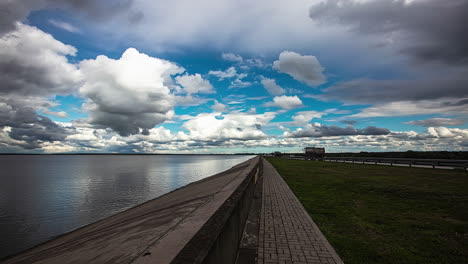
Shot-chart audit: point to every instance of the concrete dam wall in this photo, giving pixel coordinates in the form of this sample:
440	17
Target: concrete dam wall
202	222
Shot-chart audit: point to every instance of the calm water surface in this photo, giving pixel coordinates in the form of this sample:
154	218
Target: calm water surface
45	196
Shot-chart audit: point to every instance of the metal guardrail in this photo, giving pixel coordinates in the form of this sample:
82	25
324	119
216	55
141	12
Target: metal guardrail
405	161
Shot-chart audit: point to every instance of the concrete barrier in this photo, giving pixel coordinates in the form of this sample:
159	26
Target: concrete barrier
219	238
202	222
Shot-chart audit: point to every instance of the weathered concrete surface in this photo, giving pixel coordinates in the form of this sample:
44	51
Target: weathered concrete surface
153	232
287	232
219	223
248	247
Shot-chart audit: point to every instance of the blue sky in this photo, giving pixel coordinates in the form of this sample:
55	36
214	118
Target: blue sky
233	76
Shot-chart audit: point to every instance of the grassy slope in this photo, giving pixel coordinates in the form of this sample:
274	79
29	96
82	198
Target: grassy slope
382	214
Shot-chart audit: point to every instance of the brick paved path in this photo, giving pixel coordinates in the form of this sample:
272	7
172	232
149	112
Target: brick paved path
287	233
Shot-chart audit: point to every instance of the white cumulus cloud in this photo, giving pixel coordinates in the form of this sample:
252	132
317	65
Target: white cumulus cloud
219	107
207	126
271	86
194	84
230	72
304	117
285	102
305	68
33	68
232	57
32	62
130	94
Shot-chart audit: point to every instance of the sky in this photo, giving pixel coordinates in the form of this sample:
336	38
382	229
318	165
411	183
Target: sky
224	76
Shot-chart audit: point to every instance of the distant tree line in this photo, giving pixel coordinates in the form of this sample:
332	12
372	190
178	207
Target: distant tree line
458	155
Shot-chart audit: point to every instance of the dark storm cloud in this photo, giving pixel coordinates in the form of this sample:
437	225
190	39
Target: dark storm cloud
368	91
313	130
95	8
202	144
29	127
429	30
33	63
16	10
349	122
22	78
33	66
435	122
126	124
461	102
145	132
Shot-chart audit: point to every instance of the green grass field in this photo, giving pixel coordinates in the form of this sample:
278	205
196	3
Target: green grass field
383	214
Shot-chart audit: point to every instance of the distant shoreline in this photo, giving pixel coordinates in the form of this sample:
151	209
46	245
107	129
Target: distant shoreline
461	155
152	154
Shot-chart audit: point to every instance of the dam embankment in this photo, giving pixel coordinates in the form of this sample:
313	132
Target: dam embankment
202	222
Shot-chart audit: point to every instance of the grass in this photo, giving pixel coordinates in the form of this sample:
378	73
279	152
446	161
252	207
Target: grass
383	214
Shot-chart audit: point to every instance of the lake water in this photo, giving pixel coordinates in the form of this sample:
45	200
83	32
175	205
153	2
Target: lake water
42	196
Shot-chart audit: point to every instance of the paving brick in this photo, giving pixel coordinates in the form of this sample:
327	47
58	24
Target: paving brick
287	233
